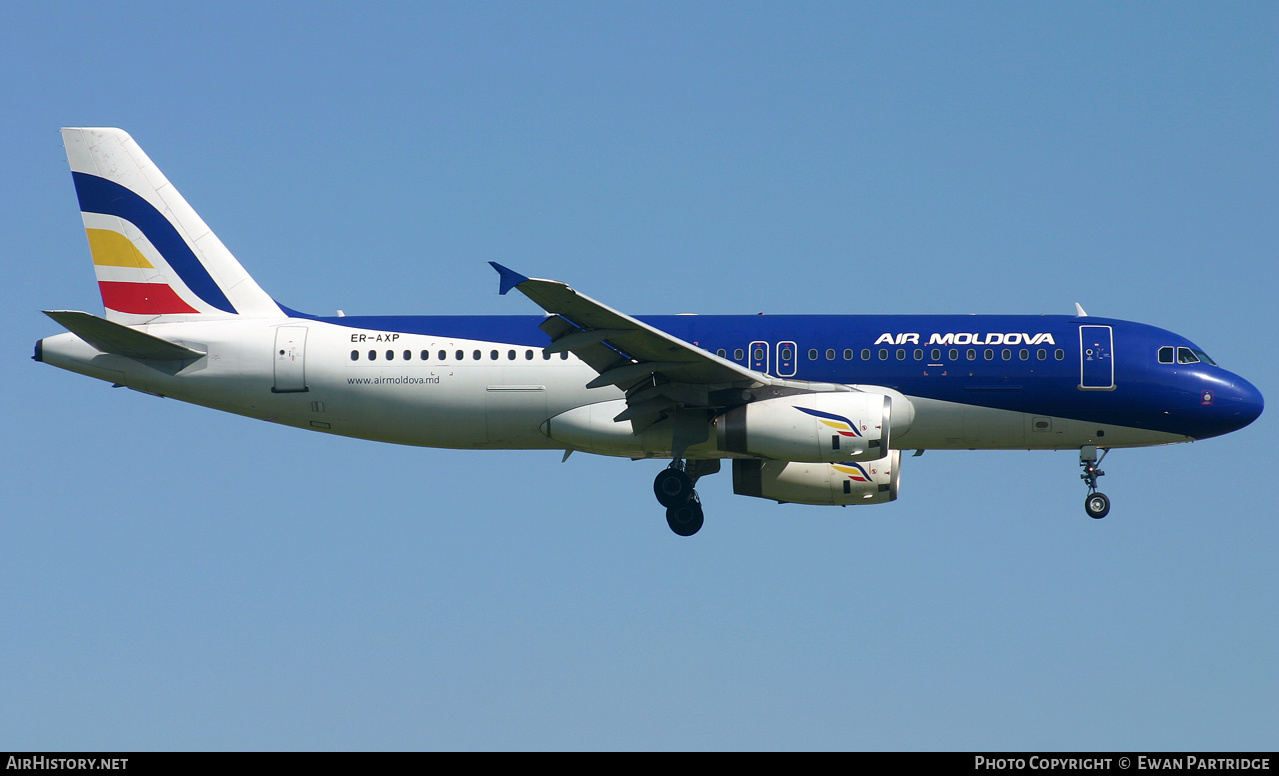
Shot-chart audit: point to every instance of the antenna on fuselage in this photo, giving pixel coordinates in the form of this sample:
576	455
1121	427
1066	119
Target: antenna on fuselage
1079	311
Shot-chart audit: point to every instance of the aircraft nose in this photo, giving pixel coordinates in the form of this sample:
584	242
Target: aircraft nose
1248	402
1238	405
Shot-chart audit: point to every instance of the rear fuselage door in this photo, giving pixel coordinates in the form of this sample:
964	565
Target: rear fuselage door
290	359
1096	364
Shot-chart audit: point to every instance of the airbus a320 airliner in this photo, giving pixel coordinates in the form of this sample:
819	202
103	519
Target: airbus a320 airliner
810	409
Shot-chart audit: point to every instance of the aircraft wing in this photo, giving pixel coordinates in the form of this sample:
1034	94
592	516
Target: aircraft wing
658	371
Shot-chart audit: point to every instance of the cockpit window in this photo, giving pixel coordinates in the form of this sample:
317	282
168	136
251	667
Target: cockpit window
1184	356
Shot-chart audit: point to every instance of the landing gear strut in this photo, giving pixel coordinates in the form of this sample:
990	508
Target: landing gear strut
1096	504
674	490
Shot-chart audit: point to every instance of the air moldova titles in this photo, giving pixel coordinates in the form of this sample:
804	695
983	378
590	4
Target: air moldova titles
968	338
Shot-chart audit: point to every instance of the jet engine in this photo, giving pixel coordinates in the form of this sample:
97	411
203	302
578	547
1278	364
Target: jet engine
814	427
844	484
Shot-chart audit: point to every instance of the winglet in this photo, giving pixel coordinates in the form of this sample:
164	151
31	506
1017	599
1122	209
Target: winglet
510	278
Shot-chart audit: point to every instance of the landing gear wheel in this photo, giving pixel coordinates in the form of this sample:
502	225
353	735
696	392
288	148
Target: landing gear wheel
673	488
685	519
1096	504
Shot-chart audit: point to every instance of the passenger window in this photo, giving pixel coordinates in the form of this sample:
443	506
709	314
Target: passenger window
426	355
475	354
883	354
989	354
459	355
721	353
758	354
866	354
355	355
373	355
528	355
1186	356
954	354
935	354
408	355
901	354
830	355
443	355
787	355
919	354
812	355
546	355
564	356
1059	354
1041	354
1006	354
1023	354
848	354
739	354
510	354
493	355
390	355
972	354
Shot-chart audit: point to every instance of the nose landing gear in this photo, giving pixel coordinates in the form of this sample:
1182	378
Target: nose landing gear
1096	504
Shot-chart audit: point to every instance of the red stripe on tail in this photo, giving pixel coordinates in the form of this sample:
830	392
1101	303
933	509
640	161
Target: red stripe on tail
142	298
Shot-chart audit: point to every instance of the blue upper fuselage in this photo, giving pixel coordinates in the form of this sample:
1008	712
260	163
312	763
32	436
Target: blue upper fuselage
1091	369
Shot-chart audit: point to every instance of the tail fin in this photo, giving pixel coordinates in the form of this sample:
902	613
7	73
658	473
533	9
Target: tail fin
155	259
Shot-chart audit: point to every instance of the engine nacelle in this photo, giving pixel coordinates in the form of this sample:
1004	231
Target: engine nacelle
823	484
812	427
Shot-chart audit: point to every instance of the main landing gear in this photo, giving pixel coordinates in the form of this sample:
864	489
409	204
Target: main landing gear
674	490
1097	504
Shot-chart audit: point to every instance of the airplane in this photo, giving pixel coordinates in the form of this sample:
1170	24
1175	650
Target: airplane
809	409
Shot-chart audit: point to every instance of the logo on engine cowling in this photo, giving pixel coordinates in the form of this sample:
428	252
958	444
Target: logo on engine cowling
838	422
856	472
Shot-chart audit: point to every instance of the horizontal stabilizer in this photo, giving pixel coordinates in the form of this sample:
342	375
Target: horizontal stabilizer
110	337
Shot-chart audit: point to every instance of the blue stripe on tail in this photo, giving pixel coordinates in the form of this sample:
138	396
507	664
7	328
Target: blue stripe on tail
99	195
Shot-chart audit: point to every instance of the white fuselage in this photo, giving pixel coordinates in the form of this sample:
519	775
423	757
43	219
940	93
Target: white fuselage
339	380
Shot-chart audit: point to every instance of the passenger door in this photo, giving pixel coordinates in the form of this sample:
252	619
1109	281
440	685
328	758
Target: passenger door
1096	364
290	360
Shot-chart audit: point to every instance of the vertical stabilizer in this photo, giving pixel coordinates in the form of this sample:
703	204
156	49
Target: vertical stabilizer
155	259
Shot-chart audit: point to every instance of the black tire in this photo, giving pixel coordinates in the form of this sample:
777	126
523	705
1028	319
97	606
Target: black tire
672	487
685	519
1097	505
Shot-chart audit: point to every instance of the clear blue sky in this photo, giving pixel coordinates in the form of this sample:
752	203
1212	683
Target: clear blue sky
176	578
